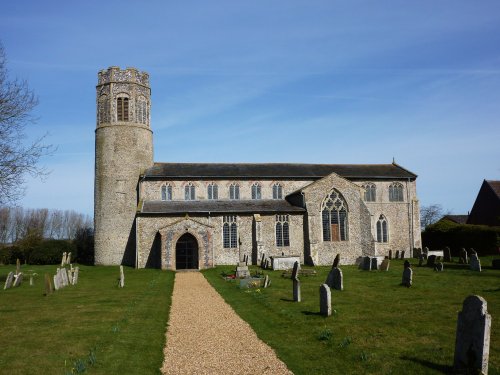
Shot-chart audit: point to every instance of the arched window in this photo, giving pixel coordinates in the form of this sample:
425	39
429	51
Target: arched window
396	192
142	110
234	191
382	229
229	232
166	193
277	191
189	192
370	192
256	191
212	191
334	217
122	109
103	109
282	230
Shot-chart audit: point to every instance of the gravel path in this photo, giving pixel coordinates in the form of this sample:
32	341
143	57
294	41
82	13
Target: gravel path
205	336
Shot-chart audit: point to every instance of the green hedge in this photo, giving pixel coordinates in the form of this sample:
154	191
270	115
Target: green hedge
51	251
9	254
485	240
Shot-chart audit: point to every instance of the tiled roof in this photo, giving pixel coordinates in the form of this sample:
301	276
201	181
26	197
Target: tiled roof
275	171
219	206
459	219
495	186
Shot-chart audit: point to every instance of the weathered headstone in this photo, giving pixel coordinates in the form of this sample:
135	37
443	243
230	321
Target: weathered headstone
56	282
402	254
475	263
31	280
337	279
407	277
463	255
48	285
397	254
70	277
296	290
262	260
390	254
325	300
18	280
68	258
447	254
295	271
366	264
75	275
18	266
266	281
122	278
407	264
336	261
384	266
472	343
374	265
438	267
63	260
8	281
431	261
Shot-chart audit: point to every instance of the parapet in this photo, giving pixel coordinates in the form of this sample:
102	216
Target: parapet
129	75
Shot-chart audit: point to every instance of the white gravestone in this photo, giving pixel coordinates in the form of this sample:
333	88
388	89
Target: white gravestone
325	300
8	281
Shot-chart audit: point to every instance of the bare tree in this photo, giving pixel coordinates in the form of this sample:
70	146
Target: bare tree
17	159
430	214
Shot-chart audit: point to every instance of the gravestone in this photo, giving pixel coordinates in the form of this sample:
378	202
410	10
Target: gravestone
325	300
407	277
121	283
374	265
336	261
384	266
68	258
420	260
447	254
75	275
18	266
495	263
64	276
18	280
463	255
425	251
48	285
338	279
431	261
366	264
262	260
390	254
472	343
397	254
406	264
56	282
266	281
63	260
402	254
70	277
31	280
295	271
439	267
296	282
475	263
8	281
472	251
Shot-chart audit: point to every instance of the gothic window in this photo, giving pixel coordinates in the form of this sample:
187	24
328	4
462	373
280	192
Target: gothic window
282	230
277	191
122	109
370	192
142	112
334	217
256	191
103	109
229	232
382	229
212	191
189	192
396	192
234	191
166	193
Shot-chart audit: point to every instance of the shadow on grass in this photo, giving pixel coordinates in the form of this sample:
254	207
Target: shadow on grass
311	313
491	290
287	300
434	366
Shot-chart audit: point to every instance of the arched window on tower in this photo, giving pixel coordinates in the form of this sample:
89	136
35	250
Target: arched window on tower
256	191
122	108
382	232
370	192
277	191
334	217
103	109
396	192
142	112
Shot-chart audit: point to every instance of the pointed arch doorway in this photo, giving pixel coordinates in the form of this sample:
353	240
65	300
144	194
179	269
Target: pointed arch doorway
186	252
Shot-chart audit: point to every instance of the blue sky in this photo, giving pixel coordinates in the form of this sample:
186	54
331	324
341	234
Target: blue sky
271	81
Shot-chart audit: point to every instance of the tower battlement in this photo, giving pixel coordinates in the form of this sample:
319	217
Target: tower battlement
116	74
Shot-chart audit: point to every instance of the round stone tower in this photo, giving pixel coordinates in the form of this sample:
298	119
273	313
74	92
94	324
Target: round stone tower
123	150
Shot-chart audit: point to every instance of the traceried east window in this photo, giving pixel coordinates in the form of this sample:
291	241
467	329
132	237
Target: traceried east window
189	192
256	191
212	191
382	229
277	191
282	230
396	192
142	110
370	192
334	217
103	109
122	109
166	193
234	191
230	232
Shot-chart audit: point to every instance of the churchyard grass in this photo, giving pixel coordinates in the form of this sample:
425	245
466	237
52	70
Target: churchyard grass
94	325
377	326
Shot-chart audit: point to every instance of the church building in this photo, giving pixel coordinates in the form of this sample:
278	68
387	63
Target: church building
199	215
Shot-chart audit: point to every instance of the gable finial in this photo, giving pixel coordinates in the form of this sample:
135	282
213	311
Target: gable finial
393	160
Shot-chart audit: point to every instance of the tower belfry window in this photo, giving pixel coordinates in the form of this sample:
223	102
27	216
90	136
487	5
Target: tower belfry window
122	109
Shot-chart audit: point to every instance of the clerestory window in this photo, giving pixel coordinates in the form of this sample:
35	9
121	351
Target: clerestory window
189	192
234	191
277	191
396	192
256	191
212	191
370	192
166	193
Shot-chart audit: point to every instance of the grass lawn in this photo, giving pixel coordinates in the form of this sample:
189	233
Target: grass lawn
377	327
94	324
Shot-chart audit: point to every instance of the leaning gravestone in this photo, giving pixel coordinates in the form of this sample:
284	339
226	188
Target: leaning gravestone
262	260
296	282
472	251
121	283
18	266
447	254
266	281
63	260
463	255
472	344
64	276
407	275
438	267
8	281
75	275
431	261
475	263
384	266
18	280
338	279
325	300
48	285
336	261
390	254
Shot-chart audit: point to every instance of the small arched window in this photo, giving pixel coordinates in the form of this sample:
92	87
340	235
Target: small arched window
229	232
277	191
370	192
382	232
189	192
234	191
396	192
282	230
103	109
212	191
256	191
334	217
166	193
122	108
